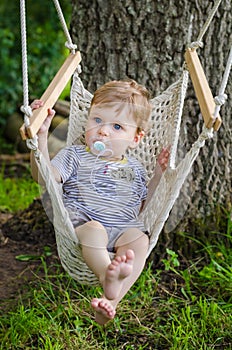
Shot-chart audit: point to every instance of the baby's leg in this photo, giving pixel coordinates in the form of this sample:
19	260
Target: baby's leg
133	245
119	269
104	309
93	239
137	241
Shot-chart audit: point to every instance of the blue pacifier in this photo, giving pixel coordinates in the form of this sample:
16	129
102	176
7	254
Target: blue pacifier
99	146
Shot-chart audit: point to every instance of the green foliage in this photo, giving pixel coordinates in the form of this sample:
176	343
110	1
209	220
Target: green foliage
29	257
16	193
172	261
9	83
46	51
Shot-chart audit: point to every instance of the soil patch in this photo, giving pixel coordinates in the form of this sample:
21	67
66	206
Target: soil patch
27	232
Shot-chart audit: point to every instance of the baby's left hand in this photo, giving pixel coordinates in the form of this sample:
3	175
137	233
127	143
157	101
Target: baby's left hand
47	122
36	104
163	158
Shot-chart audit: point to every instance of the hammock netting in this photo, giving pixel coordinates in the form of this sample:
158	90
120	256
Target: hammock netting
165	125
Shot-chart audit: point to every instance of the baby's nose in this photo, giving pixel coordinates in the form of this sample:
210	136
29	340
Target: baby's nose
104	130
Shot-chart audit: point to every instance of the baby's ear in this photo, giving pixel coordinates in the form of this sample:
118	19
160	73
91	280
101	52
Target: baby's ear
138	137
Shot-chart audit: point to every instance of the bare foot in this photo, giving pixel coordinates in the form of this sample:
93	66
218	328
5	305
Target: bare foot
104	310
119	268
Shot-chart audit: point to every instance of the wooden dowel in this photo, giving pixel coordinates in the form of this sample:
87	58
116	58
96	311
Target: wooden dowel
51	95
202	90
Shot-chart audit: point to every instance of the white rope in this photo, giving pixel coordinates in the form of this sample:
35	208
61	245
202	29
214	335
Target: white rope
209	20
179	111
221	98
198	43
27	114
25	108
69	44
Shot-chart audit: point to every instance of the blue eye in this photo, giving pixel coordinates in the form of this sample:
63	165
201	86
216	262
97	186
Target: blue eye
117	127
97	120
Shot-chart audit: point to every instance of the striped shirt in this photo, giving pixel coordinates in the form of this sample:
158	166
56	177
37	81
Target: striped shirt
110	192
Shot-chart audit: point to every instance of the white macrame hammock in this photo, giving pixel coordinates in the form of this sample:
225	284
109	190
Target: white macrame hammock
166	119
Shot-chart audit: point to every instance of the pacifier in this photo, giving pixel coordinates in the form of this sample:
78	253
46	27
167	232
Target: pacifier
99	146
101	149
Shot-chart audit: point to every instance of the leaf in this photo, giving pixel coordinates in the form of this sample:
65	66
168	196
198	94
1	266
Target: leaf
27	257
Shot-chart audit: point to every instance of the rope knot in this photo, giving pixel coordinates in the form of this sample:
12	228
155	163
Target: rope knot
206	133
220	99
26	110
71	46
32	143
78	69
196	44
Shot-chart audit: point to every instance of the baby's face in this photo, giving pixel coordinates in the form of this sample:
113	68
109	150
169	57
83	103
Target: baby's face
116	129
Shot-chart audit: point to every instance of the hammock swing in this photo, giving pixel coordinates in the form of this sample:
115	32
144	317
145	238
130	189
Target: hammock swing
166	119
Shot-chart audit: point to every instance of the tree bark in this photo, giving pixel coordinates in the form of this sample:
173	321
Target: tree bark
145	40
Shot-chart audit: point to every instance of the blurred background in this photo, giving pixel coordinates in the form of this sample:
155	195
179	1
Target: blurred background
46	52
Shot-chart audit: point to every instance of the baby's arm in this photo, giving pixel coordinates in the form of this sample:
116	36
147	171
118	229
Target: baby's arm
161	166
43	143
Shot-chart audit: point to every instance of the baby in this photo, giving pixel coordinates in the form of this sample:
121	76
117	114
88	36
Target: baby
104	189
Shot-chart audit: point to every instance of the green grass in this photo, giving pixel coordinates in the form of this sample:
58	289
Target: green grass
16	193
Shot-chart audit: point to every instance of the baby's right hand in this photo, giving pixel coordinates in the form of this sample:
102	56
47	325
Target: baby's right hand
47	122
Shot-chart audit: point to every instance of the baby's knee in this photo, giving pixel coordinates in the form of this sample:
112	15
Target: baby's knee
133	237
141	239
144	240
92	232
93	224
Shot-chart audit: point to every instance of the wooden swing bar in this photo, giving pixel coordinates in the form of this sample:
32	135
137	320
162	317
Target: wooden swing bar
202	90
51	95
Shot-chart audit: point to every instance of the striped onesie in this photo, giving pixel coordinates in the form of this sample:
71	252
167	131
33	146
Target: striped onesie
110	192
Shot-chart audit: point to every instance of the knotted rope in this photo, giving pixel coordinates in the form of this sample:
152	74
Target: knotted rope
24	57
221	98
198	43
25	108
69	44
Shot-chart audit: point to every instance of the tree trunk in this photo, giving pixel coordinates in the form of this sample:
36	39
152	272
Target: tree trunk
145	40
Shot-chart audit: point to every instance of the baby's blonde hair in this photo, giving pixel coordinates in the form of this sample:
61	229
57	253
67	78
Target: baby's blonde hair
129	92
